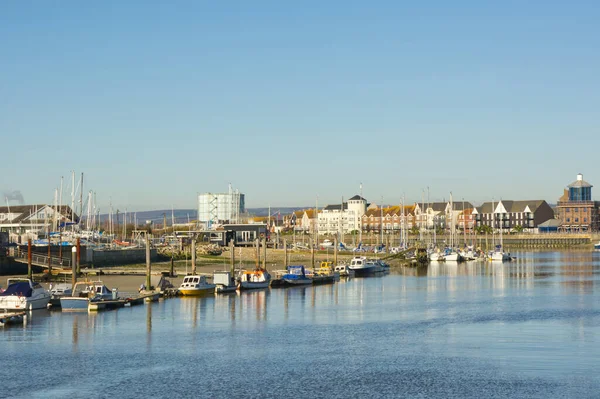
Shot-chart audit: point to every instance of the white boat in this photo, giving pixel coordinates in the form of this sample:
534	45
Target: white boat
58	291
597	245
254	279
196	286
344	271
499	255
436	257
85	292
364	267
327	243
24	294
224	282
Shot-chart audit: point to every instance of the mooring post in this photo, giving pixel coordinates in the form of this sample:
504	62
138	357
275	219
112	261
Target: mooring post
172	266
335	253
285	254
232	258
78	256
29	271
264	254
193	255
73	267
312	253
257	253
148	263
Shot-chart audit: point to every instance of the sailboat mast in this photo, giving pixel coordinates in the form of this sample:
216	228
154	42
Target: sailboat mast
81	197
72	199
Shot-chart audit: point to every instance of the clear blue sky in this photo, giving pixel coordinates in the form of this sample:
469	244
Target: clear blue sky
158	101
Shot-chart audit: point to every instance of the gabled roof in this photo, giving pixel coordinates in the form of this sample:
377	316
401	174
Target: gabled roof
26	211
511	206
336	207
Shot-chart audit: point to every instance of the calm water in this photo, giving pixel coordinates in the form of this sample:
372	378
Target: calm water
527	329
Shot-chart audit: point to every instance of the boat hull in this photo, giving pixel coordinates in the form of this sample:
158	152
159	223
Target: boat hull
224	289
297	281
252	285
70	304
14	302
367	271
324	279
197	291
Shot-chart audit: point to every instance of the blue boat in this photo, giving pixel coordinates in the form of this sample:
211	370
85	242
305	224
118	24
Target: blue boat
296	275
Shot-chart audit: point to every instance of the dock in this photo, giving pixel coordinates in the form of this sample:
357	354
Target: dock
7	318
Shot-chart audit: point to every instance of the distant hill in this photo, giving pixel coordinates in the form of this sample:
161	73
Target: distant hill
283	210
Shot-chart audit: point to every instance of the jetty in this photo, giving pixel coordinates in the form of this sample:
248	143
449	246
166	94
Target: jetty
7	318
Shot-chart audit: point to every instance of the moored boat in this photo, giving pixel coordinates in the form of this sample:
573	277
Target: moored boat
254	279
84	293
597	245
58	291
325	274
196	286
365	267
296	275
344	270
24	294
224	282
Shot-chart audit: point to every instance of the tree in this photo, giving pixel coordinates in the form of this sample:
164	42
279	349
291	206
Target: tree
518	229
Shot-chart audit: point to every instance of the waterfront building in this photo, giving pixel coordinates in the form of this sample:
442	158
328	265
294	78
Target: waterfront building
466	220
215	208
342	218
393	218
442	215
513	215
35	219
576	210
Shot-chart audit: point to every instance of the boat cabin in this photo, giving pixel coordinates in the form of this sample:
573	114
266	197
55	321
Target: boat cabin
193	281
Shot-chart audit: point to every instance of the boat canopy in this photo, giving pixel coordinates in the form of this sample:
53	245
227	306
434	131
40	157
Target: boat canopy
298	270
22	288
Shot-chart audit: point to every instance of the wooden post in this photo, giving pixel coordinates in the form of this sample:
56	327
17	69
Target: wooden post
172	267
148	263
232	258
194	255
73	267
78	256
29	271
257	242
312	253
49	258
335	252
264	254
285	254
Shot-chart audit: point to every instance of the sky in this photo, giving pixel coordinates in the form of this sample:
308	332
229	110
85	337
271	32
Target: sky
297	103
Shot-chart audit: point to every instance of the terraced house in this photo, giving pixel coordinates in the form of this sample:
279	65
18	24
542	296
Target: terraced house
392	221
511	215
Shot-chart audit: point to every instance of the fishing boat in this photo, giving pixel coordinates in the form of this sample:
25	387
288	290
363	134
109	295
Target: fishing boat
84	293
364	267
224	282
24	294
254	279
58	291
296	275
325	274
196	286
344	270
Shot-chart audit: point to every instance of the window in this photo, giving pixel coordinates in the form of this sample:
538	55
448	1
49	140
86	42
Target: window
576	220
568	220
584	220
568	210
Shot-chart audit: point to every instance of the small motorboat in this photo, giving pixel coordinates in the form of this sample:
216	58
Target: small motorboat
84	293
58	291
224	282
254	279
344	270
296	275
24	294
196	286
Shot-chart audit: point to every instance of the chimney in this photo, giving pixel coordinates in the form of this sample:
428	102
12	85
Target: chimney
579	177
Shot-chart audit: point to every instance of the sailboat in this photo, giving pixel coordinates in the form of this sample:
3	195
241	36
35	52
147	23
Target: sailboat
498	254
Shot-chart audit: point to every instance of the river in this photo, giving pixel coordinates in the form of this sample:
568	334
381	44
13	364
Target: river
529	329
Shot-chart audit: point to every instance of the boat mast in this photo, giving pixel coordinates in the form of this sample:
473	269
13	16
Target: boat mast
72	199
360	224
81	198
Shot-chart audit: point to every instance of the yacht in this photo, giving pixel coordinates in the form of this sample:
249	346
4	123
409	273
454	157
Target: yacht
196	286
24	294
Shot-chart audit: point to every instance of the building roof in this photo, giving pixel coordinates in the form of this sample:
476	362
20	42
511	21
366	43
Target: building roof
336	207
579	184
357	198
550	223
511	206
24	211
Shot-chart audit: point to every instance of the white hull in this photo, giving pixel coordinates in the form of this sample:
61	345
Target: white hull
21	303
500	257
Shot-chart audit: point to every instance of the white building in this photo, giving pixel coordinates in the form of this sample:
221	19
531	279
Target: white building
342	218
34	219
221	207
